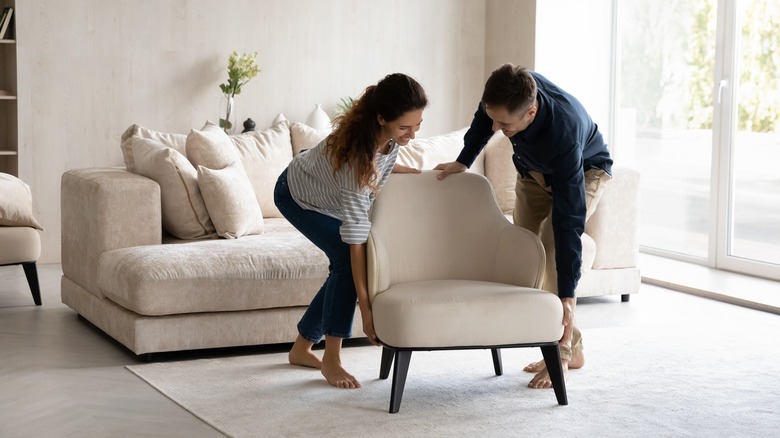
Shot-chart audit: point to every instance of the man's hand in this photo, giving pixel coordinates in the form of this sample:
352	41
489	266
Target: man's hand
449	168
568	319
400	168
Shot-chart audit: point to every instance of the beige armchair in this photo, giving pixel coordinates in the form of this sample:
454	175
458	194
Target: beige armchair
447	270
20	243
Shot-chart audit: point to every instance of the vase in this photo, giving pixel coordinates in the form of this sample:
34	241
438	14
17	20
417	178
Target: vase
318	119
227	113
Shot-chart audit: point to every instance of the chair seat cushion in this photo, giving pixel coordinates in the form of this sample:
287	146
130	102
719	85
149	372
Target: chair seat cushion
457	313
19	245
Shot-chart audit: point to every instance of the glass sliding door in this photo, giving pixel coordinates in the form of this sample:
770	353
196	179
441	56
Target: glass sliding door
664	118
750	147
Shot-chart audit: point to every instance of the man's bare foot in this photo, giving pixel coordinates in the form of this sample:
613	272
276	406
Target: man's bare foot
337	376
542	377
301	354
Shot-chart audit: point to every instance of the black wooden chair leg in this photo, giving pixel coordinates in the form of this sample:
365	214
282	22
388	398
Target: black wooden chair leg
31	272
552	359
624	298
402	358
497	361
387	361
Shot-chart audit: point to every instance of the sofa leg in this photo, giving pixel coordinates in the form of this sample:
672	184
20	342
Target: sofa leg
552	359
497	366
146	357
387	361
624	298
402	358
31	272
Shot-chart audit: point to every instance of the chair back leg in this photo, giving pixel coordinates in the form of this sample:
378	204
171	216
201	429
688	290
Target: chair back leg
387	361
552	359
31	272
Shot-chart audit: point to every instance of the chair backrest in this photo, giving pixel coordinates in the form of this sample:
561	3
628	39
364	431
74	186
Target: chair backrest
427	229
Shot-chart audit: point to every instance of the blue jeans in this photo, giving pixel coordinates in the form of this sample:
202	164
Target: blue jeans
332	310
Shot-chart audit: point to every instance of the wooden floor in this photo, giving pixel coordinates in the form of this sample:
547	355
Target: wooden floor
62	377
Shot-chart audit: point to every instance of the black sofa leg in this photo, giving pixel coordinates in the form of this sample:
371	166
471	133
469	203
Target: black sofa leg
624	298
31	272
387	361
552	359
402	358
497	361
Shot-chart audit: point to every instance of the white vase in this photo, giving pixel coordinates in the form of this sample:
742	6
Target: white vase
318	119
227	113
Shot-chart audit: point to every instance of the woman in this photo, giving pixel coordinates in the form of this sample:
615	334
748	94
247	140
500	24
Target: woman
326	193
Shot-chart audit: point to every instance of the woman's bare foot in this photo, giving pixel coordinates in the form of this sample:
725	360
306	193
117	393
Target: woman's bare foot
542	377
301	354
337	376
334	373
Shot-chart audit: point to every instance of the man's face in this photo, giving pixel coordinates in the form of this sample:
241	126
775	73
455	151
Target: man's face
510	123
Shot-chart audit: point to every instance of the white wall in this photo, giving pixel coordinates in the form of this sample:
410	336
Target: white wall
573	49
88	69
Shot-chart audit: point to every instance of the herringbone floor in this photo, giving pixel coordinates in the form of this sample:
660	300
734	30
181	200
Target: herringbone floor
62	377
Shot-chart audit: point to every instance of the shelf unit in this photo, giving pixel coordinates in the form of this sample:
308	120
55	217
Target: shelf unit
9	108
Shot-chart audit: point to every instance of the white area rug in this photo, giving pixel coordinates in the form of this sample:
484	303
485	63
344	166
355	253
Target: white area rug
708	380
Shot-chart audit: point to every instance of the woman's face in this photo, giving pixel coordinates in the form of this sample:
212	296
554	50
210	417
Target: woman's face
403	128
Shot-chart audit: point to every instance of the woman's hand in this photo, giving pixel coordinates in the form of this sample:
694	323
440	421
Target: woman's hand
368	324
400	168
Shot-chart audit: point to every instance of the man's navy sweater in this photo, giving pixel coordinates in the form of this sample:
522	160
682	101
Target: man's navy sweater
562	143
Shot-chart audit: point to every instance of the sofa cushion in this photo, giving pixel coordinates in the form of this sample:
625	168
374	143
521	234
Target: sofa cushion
265	154
184	213
230	200
16	208
175	141
279	268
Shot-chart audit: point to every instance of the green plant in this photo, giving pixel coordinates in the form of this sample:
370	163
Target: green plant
345	103
241	69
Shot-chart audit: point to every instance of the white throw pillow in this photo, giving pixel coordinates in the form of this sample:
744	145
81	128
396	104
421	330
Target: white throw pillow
265	154
305	137
500	170
16	209
210	147
175	141
230	200
184	213
426	153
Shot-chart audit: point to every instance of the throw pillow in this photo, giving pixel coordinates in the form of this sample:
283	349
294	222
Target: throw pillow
210	147
305	137
426	153
265	154
230	200
16	209
500	170
184	213
175	141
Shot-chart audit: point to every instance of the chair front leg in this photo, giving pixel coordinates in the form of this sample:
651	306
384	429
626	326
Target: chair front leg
31	272
402	358
552	359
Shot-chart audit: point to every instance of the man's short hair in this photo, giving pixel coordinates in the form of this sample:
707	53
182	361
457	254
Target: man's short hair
510	86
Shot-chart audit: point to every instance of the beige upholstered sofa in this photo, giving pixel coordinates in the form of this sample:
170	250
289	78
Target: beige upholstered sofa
126	273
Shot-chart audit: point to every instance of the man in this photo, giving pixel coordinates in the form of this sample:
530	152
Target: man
562	164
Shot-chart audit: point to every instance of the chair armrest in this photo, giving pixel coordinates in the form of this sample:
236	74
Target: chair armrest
105	209
519	258
615	224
